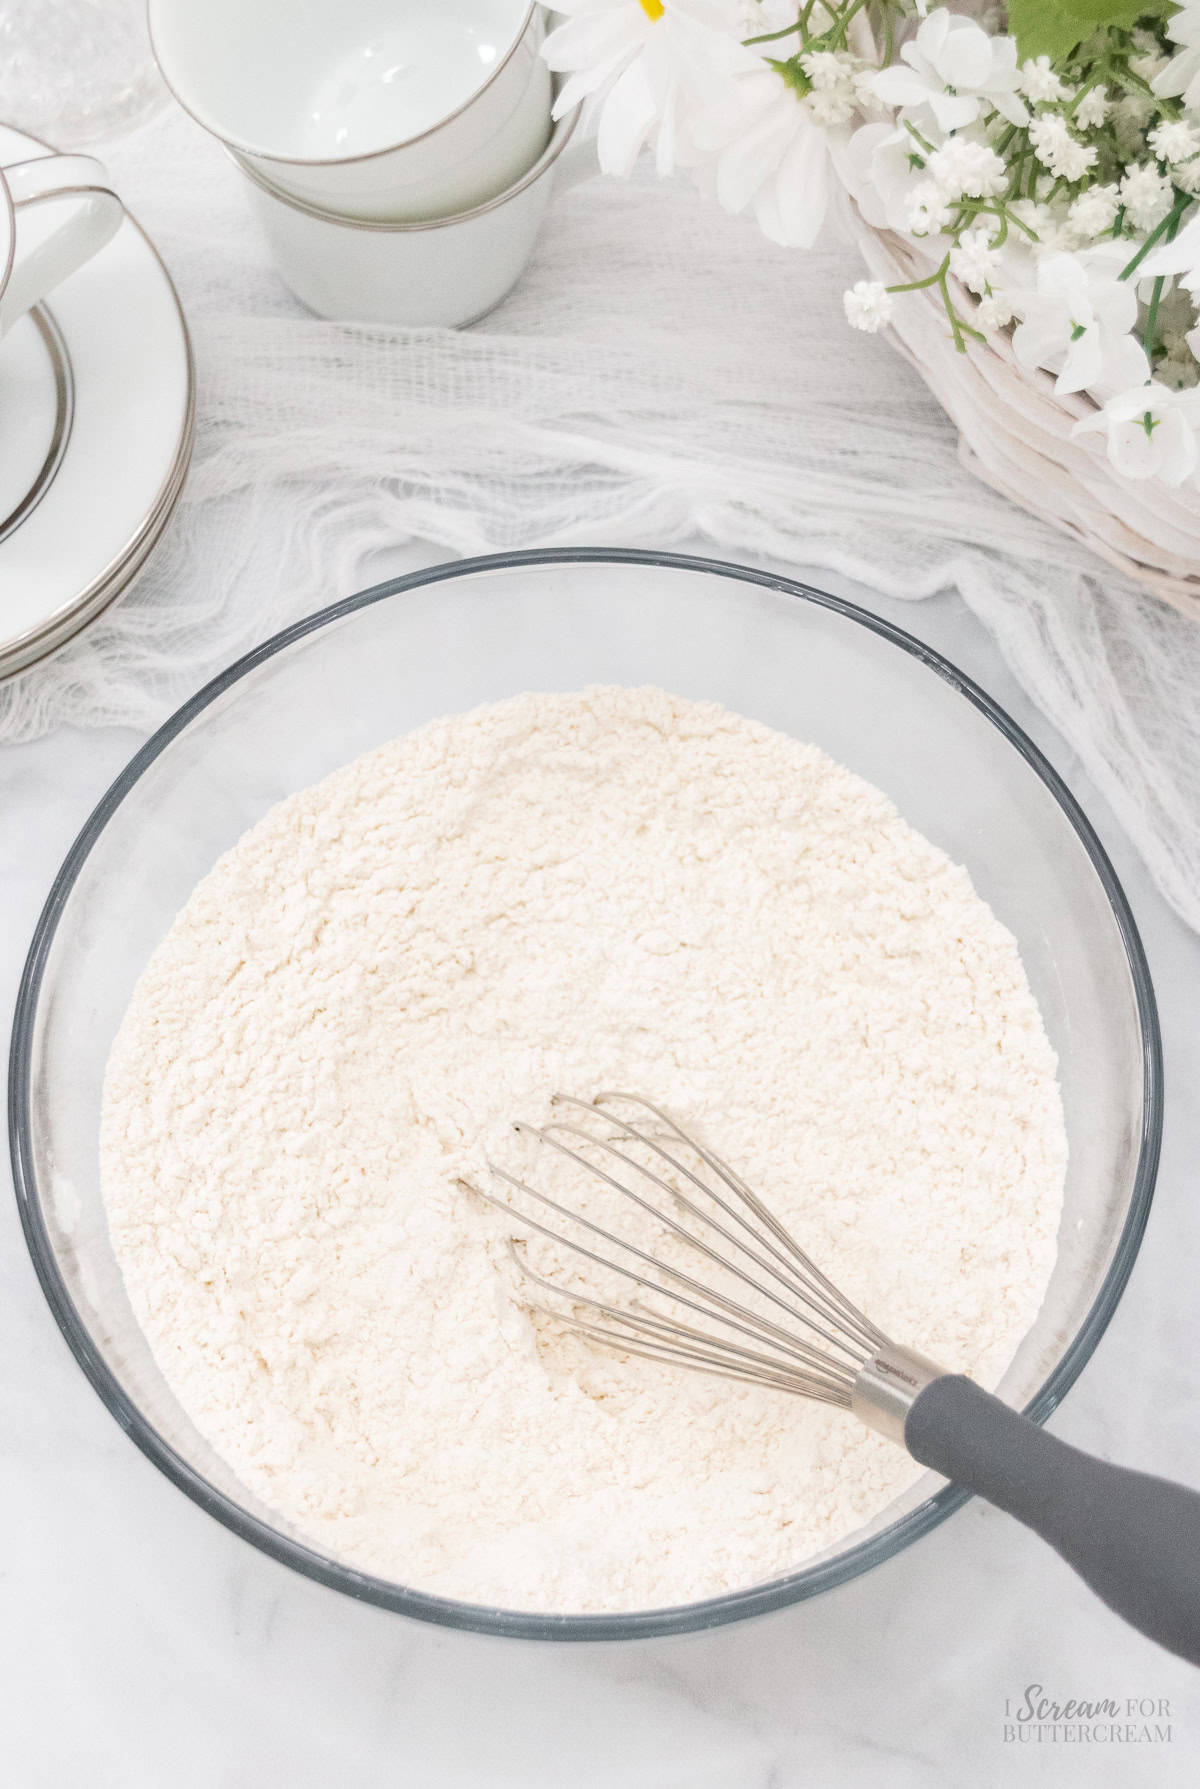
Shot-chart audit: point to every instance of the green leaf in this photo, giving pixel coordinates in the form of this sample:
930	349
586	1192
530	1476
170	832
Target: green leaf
1054	27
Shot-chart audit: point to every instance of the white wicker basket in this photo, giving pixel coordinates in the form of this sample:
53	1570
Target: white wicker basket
1015	434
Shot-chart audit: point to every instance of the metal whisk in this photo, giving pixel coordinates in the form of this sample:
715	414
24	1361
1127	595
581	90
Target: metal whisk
763	1313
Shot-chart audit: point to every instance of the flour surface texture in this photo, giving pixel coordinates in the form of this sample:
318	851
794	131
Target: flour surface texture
612	888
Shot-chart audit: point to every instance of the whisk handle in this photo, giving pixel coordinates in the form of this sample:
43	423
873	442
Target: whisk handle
1133	1538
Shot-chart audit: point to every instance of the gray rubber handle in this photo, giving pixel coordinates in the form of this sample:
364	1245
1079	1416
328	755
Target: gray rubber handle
1134	1538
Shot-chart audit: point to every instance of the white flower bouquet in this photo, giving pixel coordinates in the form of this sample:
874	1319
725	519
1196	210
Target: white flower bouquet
1036	173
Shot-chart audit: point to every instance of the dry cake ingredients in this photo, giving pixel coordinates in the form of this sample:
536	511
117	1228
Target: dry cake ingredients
608	888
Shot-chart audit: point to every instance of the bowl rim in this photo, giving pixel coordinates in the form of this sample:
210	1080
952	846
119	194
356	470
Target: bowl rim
757	1599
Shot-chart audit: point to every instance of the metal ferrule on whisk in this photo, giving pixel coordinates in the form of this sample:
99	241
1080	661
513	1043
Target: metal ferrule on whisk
888	1386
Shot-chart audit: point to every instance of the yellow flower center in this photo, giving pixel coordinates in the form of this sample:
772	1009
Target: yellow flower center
653	9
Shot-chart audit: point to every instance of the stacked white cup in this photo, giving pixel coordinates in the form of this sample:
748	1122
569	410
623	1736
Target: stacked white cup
399	153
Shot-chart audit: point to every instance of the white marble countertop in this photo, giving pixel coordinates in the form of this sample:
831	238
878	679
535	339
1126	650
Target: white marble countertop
144	1646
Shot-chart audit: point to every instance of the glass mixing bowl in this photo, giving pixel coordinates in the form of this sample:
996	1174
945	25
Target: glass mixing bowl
383	662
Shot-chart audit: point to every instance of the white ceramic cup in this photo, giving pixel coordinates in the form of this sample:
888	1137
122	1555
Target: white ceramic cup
56	212
446	271
390	109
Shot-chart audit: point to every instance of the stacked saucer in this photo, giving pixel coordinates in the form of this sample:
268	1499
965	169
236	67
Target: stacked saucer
96	424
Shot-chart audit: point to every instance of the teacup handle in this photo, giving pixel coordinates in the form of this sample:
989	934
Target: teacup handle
92	220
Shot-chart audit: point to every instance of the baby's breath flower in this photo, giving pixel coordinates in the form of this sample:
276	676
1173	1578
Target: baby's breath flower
1062	154
1094	212
964	167
1092	109
1146	195
868	305
993	312
1039	81
831	106
973	260
1174	140
828	69
926	210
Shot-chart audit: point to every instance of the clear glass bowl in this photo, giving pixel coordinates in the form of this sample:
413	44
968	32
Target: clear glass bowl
443	640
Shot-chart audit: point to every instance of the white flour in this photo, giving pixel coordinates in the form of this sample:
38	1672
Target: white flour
613	888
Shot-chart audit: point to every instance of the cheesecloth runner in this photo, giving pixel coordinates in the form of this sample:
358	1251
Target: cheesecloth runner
661	373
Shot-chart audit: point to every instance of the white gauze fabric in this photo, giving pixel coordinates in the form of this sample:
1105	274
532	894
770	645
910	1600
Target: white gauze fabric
662	372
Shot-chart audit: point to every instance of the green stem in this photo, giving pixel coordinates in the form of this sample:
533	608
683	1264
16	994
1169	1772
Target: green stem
1151	330
838	34
937	278
1170	224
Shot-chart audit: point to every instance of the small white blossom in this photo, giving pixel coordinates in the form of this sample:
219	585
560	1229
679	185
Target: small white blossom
1061	153
1174	140
1146	195
880	165
1039	81
957	71
973	260
926	211
1094	212
868	305
1151	432
1182	73
828	69
831	108
1092	109
965	167
993	312
1078	321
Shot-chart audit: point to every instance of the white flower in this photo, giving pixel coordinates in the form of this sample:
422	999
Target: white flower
926	210
1181	256
767	150
1039	81
973	260
828	69
642	67
1146	196
1078	321
1151	432
956	70
868	305
1094	212
993	312
1057	150
964	166
880	166
1182	73
1092	109
1174	140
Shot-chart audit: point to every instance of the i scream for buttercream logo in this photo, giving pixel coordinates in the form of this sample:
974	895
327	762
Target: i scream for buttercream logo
1037	1718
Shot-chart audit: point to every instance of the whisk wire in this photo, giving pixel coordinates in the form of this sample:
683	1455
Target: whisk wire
734	1315
814	1287
795	1289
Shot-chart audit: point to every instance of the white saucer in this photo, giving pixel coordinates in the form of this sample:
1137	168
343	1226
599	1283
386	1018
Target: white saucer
96	420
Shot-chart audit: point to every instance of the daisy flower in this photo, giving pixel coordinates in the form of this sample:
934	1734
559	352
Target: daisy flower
768	150
641	68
